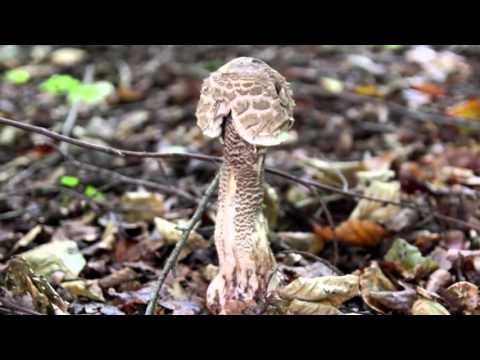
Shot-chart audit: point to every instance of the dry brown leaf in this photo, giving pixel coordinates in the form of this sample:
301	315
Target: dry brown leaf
109	235
373	280
428	307
126	94
309	242
171	233
398	301
366	209
362	233
298	307
88	289
469	109
463	295
143	206
334	290
430	89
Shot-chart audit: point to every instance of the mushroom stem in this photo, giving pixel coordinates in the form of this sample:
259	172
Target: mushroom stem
246	261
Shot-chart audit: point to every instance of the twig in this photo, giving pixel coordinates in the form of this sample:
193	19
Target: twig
177	156
101	148
333	268
129	180
334	230
172	259
17	309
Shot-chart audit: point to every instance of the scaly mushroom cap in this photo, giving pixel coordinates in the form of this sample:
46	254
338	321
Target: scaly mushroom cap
256	96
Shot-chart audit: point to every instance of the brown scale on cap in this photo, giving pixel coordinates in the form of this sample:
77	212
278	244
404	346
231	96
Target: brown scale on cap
250	106
258	99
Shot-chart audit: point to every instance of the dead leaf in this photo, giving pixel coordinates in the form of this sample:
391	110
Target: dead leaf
109	235
56	257
127	94
362	233
430	89
143	206
372	280
68	57
28	238
334	290
374	210
21	279
298	307
308	242
469	109
368	90
428	307
398	301
463	296
88	289
171	234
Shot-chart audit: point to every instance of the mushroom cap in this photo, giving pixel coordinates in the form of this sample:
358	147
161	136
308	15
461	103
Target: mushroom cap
256	96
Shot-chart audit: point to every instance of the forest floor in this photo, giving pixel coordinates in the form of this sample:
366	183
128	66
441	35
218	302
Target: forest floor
83	232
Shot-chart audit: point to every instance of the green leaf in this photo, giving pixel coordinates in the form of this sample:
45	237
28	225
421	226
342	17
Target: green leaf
409	260
393	47
91	93
18	76
60	84
92	192
69	181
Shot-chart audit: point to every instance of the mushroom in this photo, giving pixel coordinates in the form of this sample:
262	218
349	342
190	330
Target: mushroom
249	106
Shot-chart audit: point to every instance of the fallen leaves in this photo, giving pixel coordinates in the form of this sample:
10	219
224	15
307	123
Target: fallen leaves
370	221
319	296
21	280
372	281
469	109
362	233
462	296
428	307
56	259
142	206
407	260
86	289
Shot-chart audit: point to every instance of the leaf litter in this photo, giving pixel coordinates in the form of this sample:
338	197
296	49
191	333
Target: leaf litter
59	255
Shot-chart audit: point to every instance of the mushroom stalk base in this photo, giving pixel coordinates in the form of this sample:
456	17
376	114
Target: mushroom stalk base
246	262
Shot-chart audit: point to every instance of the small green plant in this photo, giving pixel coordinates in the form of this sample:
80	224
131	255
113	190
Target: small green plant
18	76
76	91
91	93
69	181
59	84
90	191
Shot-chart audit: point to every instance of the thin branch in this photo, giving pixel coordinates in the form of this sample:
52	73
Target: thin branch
176	156
104	149
172	259
166	189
